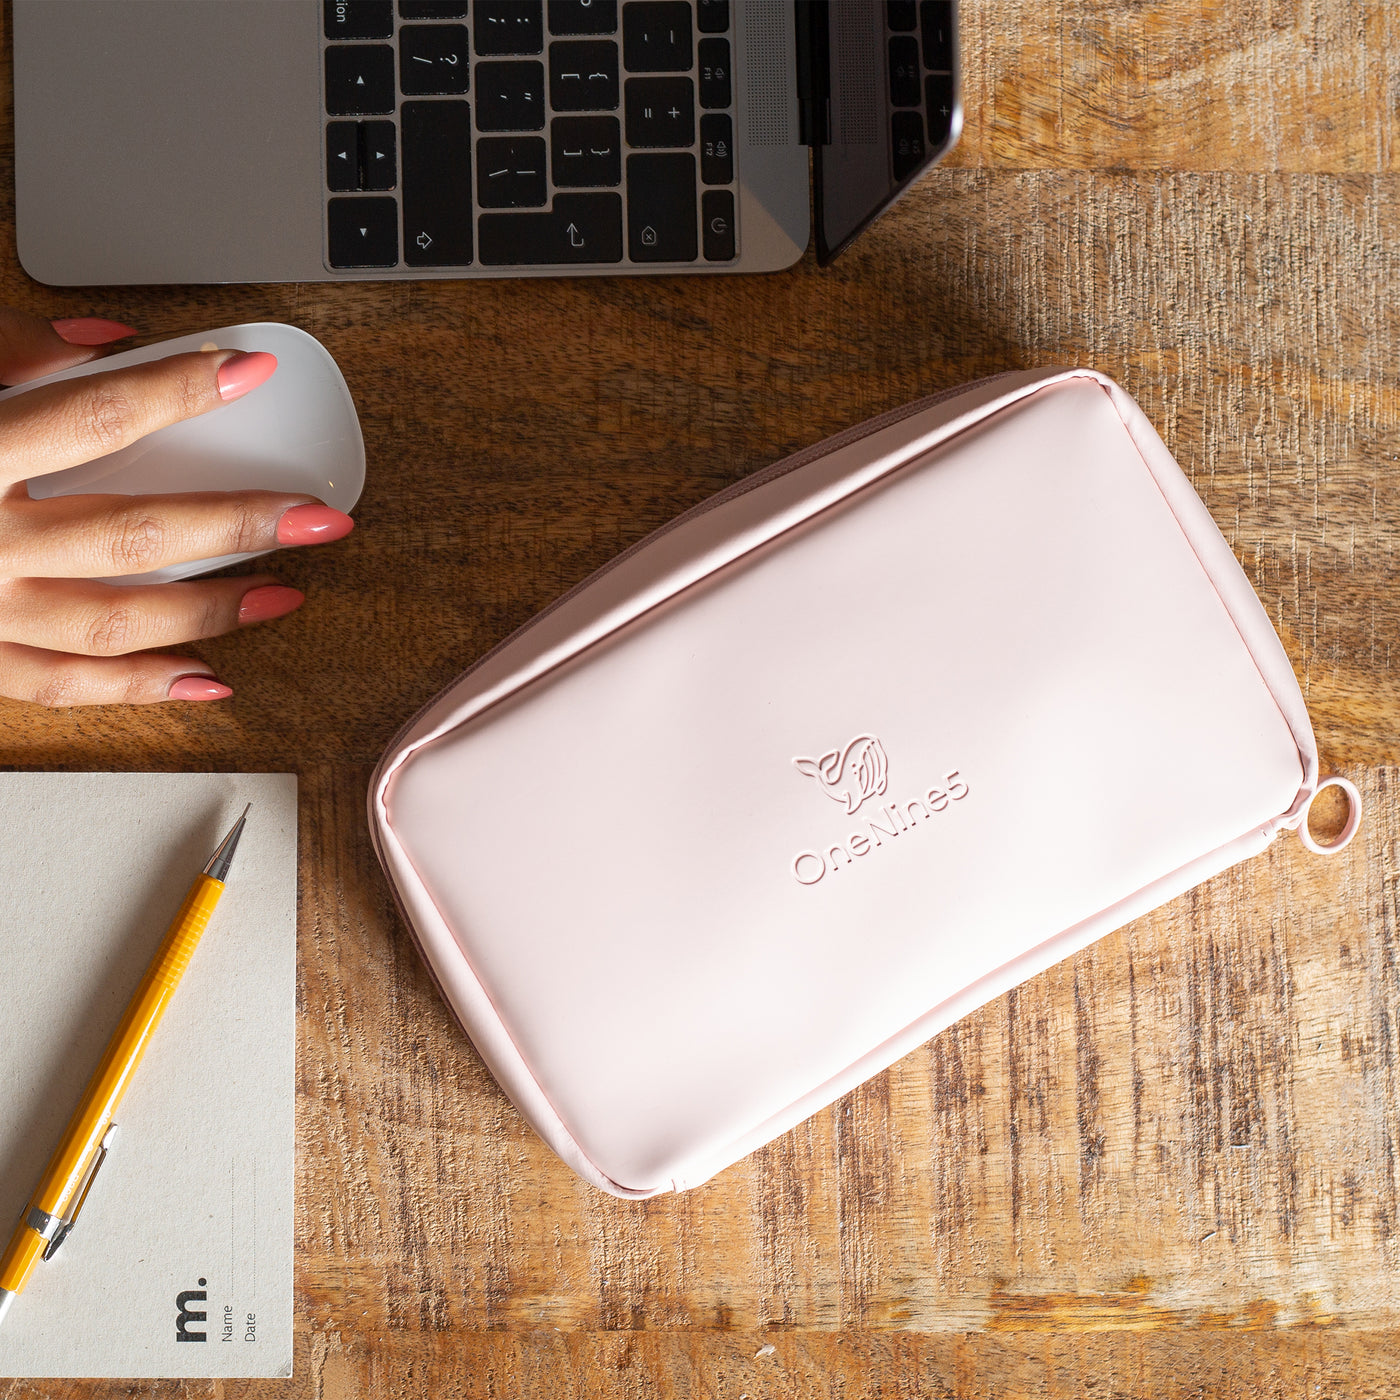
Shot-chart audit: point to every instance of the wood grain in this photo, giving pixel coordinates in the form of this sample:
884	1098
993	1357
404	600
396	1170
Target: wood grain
1166	1167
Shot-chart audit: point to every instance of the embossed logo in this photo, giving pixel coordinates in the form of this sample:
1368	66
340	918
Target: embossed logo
853	775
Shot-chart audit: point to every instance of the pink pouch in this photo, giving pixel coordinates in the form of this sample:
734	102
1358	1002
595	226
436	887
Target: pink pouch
831	760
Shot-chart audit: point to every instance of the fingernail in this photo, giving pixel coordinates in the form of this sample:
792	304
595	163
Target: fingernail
199	688
244	372
90	330
271	600
313	524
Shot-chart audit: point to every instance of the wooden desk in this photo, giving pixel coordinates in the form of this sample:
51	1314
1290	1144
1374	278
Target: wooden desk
1168	1167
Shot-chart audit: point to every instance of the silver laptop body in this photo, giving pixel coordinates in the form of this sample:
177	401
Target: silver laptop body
176	141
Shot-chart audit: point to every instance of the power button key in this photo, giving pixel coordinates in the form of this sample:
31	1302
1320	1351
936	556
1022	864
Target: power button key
717	220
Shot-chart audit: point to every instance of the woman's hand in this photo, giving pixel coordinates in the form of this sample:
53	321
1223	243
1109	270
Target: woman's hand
66	639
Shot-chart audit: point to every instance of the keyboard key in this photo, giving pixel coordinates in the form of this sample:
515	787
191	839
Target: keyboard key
583	16
581	228
509	26
359	79
714	73
656	37
437	183
938	88
586	151
905	74
358	19
364	232
583	76
510	172
343	155
379	165
660	112
510	96
901	15
936	20
432	9
717	221
713	16
433	60
716	149
909	150
661	208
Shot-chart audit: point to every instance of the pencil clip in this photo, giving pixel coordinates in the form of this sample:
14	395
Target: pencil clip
71	1218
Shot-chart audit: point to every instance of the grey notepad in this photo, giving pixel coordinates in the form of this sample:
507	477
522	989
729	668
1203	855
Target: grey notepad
192	1212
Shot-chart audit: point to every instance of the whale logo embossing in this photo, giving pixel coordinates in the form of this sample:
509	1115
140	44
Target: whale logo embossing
851	775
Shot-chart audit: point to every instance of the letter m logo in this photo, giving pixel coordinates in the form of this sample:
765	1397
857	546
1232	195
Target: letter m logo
189	1315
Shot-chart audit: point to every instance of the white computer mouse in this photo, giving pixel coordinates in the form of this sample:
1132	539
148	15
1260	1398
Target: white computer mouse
298	432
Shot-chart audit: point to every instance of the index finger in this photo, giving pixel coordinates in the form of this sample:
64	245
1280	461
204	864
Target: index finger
76	420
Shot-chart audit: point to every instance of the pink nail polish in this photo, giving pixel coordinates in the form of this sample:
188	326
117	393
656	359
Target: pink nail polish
313	524
243	373
272	600
199	688
90	330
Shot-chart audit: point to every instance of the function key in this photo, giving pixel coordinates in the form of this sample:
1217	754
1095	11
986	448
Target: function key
510	96
713	16
433	60
661	207
716	149
938	88
936	20
359	79
343	155
437	183
660	111
510	172
901	15
363	232
358	19
509	26
905	74
717	225
656	37
432	9
583	16
909	150
586	151
378	156
583	76
714	73
581	228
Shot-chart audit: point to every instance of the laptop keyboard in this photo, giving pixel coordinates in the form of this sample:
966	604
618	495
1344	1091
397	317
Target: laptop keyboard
528	133
922	80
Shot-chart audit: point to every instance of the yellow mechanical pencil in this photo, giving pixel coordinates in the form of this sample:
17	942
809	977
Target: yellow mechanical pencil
54	1206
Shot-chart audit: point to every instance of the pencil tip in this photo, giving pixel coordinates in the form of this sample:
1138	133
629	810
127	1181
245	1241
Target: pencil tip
219	862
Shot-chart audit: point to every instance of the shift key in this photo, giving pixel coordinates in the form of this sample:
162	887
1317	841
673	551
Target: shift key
437	183
581	228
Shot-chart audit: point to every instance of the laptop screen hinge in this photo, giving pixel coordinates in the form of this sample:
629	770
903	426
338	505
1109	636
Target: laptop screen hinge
813	72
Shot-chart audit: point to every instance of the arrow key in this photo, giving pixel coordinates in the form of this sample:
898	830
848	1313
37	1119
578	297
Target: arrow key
343	155
359	79
363	232
379	165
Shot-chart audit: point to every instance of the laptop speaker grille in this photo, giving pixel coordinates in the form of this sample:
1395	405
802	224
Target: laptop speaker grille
769	62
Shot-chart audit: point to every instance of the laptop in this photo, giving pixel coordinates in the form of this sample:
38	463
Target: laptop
172	141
